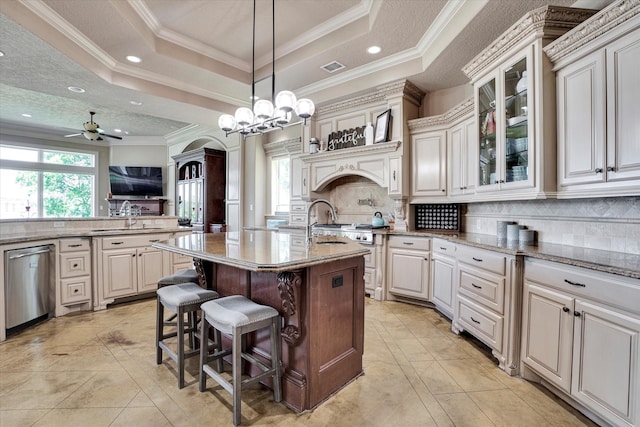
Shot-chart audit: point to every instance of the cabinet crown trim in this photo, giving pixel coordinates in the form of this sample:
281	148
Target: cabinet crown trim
460	111
546	21
596	26
291	146
347	153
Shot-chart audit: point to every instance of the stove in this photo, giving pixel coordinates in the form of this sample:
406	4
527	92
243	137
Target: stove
361	233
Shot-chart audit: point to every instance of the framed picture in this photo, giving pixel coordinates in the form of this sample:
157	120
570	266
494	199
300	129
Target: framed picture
382	127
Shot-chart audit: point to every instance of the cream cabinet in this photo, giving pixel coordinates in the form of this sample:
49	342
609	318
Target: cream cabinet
515	107
598	109
443	278
429	164
75	271
128	266
487	303
374	268
462	154
409	266
581	333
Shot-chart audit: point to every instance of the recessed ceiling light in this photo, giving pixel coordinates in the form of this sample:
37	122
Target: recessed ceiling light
374	50
117	130
126	132
1	53
134	59
76	89
26	115
136	103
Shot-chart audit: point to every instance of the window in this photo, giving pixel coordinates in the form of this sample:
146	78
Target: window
280	184
41	182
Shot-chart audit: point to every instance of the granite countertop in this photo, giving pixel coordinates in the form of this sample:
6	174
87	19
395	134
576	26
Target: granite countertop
261	250
606	261
54	233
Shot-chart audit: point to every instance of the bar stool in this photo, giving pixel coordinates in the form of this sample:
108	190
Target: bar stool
187	275
236	316
180	299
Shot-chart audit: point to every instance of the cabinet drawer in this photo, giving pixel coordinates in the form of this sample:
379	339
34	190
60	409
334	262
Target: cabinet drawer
74	245
75	290
410	242
75	264
181	259
487	260
120	242
299	208
299	219
444	247
482	323
370	260
611	289
489	292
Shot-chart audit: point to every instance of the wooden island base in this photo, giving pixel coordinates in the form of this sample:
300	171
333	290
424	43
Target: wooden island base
322	307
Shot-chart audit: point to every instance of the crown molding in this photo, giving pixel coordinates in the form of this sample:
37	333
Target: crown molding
544	22
460	111
596	26
291	146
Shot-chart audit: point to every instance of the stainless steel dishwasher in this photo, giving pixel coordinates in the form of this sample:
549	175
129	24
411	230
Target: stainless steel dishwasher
27	282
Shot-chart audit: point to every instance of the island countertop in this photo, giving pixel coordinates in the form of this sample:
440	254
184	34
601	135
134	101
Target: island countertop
263	251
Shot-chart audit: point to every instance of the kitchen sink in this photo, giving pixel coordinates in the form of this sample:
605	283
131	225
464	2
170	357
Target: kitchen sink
331	242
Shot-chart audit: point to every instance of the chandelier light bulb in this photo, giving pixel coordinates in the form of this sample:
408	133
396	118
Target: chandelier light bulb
263	109
282	117
286	100
227	122
244	117
305	108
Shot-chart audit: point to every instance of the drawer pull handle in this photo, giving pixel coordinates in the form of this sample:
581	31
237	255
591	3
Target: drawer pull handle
154	240
565	309
476	259
77	245
117	243
575	283
476	286
407	243
474	320
444	249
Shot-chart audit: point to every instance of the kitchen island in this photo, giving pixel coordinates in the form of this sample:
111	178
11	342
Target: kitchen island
318	290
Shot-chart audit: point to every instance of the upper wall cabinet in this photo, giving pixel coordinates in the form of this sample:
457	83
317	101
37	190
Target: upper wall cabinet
515	108
442	155
598	108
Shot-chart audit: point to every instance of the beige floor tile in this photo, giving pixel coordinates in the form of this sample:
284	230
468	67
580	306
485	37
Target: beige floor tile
504	408
80	417
140	401
470	376
21	417
43	390
437	380
463	411
112	389
413	349
149	416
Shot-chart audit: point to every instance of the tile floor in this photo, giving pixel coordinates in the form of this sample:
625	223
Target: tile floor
98	369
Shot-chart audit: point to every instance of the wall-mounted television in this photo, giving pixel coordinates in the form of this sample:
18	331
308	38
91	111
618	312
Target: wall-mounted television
136	180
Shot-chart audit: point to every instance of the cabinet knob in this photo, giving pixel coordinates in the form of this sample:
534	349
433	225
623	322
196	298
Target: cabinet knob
598	170
133	255
576	313
443	190
565	309
75	265
610	169
75	291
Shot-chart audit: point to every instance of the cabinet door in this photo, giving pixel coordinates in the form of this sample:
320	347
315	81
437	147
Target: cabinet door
296	178
119	273
581	122
623	108
547	333
442	283
461	158
395	175
606	363
409	274
150	268
486	114
429	171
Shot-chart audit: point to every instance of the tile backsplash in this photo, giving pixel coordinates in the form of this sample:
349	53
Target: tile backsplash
345	193
611	224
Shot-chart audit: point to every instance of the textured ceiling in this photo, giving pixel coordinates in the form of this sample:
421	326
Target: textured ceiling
197	54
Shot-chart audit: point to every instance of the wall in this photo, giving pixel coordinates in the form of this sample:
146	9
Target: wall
611	224
440	101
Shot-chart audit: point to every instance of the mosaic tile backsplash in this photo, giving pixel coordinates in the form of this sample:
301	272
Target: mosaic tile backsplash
611	224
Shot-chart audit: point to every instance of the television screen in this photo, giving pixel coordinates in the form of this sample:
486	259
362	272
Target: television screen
135	180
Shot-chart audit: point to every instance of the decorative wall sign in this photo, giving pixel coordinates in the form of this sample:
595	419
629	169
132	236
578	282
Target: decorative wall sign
346	139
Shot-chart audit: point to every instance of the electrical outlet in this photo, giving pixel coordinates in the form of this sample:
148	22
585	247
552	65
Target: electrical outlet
58	224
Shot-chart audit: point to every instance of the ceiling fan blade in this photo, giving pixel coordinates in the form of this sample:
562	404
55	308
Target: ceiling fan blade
111	136
72	134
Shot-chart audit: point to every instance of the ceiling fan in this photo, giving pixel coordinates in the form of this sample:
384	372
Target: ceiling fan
92	131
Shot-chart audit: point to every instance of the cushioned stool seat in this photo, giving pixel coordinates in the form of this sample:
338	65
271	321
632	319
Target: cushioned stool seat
236	315
180	299
188	275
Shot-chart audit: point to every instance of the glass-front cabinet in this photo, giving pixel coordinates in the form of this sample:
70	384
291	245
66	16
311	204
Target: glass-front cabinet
503	113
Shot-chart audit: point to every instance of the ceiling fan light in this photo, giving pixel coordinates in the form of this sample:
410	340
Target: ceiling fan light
244	117
91	126
286	100
305	108
227	122
91	136
263	109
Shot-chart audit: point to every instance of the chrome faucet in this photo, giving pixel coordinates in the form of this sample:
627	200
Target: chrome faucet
125	209
309	225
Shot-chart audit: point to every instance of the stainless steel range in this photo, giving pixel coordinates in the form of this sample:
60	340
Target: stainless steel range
361	233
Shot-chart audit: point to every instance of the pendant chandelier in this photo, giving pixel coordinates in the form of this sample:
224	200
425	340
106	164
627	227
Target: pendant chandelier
266	115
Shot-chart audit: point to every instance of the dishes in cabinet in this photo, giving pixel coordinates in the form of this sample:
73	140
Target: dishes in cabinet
516	120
